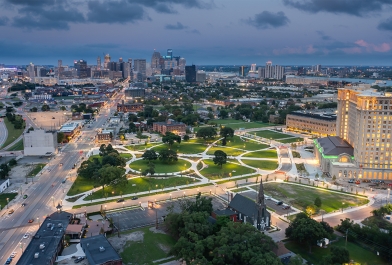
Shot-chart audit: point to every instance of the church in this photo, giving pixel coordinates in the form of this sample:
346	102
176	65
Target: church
248	211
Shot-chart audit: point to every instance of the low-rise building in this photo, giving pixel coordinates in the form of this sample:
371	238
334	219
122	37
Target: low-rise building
319	123
4	184
104	136
99	251
172	126
39	143
71	129
130	107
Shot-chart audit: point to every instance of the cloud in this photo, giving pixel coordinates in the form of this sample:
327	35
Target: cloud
3	21
30	2
370	47
267	20
185	3
385	24
295	50
351	7
177	26
55	15
194	31
114	12
323	36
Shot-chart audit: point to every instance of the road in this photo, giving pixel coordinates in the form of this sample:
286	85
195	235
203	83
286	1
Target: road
46	192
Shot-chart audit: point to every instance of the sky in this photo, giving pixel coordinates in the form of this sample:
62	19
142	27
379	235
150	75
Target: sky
204	32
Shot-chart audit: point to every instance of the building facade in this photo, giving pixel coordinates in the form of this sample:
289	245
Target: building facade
39	143
319	124
178	128
130	107
190	74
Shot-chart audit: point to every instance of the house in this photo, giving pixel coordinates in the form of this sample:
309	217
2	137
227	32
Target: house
252	212
99	251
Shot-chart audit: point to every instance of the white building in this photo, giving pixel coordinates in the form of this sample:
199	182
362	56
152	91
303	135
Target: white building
39	143
4	184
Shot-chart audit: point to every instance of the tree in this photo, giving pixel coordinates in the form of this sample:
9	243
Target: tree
34	109
110	175
220	158
226	132
113	159
63	108
186	138
45	107
170	138
223	114
167	156
317	202
327	228
296	260
60	137
89	168
12	162
206	132
150	169
305	230
339	255
150	155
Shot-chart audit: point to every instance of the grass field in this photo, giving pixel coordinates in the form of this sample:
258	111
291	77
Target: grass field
13	133
124	155
135	252
237	124
215	172
263	154
268	134
4	196
17	147
262	164
141	184
140	147
240	189
301	196
247	145
291	140
184	147
229	151
37	168
161	167
357	253
80	185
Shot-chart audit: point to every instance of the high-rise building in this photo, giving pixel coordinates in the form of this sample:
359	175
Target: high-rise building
81	68
169	54
106	61
253	67
181	64
241	71
301	70
269	70
139	65
261	72
190	73
363	147
156	56
279	72
31	71
126	69
99	63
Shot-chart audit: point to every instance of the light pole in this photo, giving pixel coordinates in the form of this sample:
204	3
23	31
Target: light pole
342	206
39	224
21	246
184	194
53	201
8	199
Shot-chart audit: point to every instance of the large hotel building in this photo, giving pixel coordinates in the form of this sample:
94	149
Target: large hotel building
362	147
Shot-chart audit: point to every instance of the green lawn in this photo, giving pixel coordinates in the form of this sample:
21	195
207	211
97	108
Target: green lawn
17	147
37	168
140	147
263	154
141	184
184	147
227	150
13	133
302	196
268	134
357	253
124	155
247	145
240	189
262	164
80	185
237	124
291	140
161	167
4	196
154	246
215	172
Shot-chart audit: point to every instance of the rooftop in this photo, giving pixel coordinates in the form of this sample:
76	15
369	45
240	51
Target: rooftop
322	114
98	250
334	145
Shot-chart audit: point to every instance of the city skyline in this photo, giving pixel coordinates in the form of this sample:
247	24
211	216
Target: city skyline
205	32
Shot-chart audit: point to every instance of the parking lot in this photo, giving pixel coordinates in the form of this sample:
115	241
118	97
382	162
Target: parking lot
49	120
134	218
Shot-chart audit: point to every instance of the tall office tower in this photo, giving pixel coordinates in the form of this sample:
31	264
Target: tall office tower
126	69
169	54
190	73
253	67
181	64
318	68
269	70
81	68
99	63
139	65
60	68
301	71
170	64
279	72
261	72
241	71
59	63
130	68
31	71
156	56
363	148
120	60
106	61
112	66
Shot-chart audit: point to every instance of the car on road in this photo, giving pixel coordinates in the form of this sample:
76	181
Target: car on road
286	207
366	181
279	203
8	261
13	254
31	220
23	204
358	182
11	211
64	180
79	259
61	164
25	196
135	198
26	236
120	200
351	181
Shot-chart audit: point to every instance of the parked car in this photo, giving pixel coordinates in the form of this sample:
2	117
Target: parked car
358	182
26	236
135	198
11	211
351	181
366	181
25	196
279	203
31	220
79	259
23	204
120	200
286	207
13	254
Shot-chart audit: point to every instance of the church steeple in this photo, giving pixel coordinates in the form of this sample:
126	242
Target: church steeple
260	195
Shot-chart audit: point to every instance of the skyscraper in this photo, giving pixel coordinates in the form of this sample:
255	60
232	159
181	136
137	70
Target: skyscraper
31	71
81	68
106	61
269	70
169	54
156	56
279	72
190	74
241	71
139	65
99	63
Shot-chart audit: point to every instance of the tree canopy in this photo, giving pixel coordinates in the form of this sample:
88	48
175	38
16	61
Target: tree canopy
150	155
206	133
220	158
170	138
167	156
226	132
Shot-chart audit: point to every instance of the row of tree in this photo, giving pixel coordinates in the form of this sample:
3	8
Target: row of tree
5	168
16	120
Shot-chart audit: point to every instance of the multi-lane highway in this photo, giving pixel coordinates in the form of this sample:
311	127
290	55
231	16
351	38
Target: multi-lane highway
47	191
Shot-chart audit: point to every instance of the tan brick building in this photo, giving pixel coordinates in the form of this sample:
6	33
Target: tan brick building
318	123
178	128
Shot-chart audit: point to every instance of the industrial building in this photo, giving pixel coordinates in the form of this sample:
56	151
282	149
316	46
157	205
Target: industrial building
40	143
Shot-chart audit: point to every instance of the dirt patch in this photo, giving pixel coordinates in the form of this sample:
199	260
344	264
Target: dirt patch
119	242
154	230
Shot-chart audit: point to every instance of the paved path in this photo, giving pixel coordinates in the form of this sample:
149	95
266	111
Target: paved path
3	133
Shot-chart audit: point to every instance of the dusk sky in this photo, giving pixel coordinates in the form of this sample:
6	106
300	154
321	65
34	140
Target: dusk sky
287	32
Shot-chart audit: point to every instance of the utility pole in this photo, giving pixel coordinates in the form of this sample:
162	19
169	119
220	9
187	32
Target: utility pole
346	238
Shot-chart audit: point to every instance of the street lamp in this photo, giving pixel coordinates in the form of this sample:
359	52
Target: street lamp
342	206
184	194
38	222
21	246
53	201
8	199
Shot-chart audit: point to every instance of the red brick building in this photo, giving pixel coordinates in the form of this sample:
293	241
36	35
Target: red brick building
130	107
178	128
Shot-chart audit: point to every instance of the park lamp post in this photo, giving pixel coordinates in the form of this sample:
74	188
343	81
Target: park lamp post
342	206
8	199
184	194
